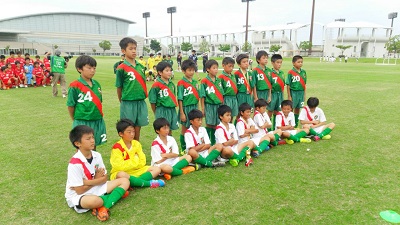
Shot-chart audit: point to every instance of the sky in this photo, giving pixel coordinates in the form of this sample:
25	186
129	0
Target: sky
214	16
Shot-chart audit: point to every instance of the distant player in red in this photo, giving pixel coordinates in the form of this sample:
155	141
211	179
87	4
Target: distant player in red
3	61
19	72
7	77
11	60
38	73
46	69
37	57
19	57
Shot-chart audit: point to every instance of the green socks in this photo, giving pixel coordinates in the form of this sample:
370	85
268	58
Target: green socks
112	198
296	119
242	153
275	142
296	138
325	132
183	143
146	176
273	121
202	161
137	182
177	169
213	155
313	132
263	145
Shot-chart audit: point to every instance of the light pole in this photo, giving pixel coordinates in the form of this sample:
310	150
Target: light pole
311	27
247	20
392	16
145	16
290	38
171	10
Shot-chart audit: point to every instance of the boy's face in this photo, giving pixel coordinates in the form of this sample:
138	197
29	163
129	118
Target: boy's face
312	109
86	143
298	64
130	51
246	114
277	64
263	60
213	71
166	73
87	71
226	118
128	134
36	65
27	61
18	64
196	122
169	57
261	109
286	110
244	63
228	68
164	131
189	72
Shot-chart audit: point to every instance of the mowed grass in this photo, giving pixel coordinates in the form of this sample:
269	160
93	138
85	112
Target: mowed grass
346	180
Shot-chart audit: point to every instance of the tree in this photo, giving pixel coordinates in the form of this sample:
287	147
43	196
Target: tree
93	50
146	49
343	47
224	48
55	46
393	45
275	48
305	45
171	48
105	45
155	45
7	48
246	47
204	46
186	46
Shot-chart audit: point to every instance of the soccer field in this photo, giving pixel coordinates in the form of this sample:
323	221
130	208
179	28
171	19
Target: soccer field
346	180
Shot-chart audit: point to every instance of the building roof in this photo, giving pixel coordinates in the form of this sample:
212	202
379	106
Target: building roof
360	24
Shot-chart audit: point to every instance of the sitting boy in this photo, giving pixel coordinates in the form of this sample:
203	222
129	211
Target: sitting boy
198	144
312	117
286	122
165	152
87	186
128	160
263	122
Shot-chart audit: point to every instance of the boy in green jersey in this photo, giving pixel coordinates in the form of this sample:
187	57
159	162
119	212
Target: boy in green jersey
296	86
162	96
245	81
188	97
261	77
211	94
278	85
131	87
84	99
228	81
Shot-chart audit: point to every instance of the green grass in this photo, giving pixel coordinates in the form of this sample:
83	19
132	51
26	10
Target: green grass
346	180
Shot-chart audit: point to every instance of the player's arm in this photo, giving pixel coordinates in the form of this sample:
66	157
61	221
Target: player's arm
71	111
182	114
269	95
119	93
202	106
288	92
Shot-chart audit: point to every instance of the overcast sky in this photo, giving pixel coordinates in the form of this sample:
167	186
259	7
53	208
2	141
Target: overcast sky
215	15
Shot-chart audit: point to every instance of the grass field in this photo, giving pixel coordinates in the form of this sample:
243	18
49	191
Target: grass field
346	180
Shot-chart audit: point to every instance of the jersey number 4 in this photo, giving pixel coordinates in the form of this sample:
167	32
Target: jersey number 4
210	89
84	97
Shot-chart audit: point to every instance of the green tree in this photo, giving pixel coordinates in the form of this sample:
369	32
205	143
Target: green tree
105	45
343	47
275	48
93	50
186	46
146	49
171	48
55	46
224	48
305	45
7	48
393	45
204	46
155	45
246	47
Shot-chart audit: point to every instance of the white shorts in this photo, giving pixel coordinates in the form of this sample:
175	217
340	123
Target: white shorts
256	140
204	153
319	129
73	200
170	162
292	132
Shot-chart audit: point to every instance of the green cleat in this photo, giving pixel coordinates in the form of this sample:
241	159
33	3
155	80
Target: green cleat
289	142
305	140
234	162
326	137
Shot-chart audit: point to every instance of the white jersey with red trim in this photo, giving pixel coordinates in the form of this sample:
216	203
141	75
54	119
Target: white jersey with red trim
158	147
222	134
318	114
289	120
241	126
260	120
200	138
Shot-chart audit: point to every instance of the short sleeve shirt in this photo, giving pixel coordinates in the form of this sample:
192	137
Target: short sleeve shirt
133	84
294	81
188	92
222	134
210	93
158	147
162	94
247	78
192	139
260	120
277	80
318	114
261	79
289	120
229	84
242	126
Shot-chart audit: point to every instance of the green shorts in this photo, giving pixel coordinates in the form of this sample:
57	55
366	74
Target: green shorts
186	110
168	113
135	111
99	127
297	98
263	94
232	102
276	100
211	112
243	97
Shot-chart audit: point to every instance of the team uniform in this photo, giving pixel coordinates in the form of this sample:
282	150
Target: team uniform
5	77
163	95
11	61
38	73
157	60
80	169
318	114
134	91
20	73
189	95
222	135
262	80
46	63
229	85
297	81
245	84
88	111
193	139
194	58
282	120
158	147
259	120
278	85
212	93
28	73
241	126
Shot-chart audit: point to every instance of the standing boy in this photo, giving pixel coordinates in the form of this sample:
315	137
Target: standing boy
11	60
131	87
228	81
193	57
261	75
245	81
85	99
296	86
278	85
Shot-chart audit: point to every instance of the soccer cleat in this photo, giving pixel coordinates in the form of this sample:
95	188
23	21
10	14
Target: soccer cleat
305	140
315	138
101	213
44	85
234	162
125	195
195	165
188	169
161	182
64	96
255	153
326	137
267	148
154	184
218	164
26	85
282	142
289	142
167	176
249	161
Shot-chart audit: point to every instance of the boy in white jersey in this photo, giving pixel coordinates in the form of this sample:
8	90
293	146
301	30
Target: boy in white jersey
313	118
165	152
263	122
286	122
246	128
226	135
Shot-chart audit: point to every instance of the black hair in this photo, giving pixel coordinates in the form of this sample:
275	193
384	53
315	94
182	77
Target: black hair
159	53
210	63
260	103
313	102
27	54
151	54
3	68
195	114
275	57
164	56
2	56
37	56
83	60
162	65
244	106
27	58
296	57
228	60
12	52
261	54
159	123
240	57
193	50
125	41
19	52
123	124
17	62
140	57
75	135
223	109
123	55
169	56
287	103
36	63
188	63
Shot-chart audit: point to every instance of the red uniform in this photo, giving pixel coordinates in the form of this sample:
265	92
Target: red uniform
2	63
38	73
21	60
40	62
6	77
46	63
12	62
20	72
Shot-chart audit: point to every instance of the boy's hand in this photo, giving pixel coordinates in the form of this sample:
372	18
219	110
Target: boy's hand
164	155
100	172
183	117
269	99
315	122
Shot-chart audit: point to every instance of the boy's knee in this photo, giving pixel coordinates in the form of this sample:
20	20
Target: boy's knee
332	125
193	153
122	175
219	147
125	183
